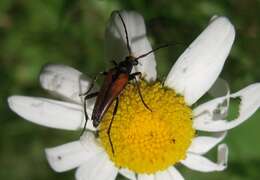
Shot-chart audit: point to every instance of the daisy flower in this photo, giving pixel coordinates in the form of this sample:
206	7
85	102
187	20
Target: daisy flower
147	144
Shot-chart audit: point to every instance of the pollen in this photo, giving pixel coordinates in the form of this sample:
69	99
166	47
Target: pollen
143	140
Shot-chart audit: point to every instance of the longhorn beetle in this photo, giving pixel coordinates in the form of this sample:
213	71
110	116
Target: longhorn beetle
113	85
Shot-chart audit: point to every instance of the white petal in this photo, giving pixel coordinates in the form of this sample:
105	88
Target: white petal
176	175
50	113
127	173
99	168
202	164
64	81
146	177
116	48
89	142
66	157
199	66
71	155
203	144
165	175
204	114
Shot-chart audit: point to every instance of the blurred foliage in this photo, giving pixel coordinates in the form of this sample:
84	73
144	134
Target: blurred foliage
71	32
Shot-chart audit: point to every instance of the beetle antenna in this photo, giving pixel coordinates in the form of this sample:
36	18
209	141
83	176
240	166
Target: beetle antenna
153	50
126	33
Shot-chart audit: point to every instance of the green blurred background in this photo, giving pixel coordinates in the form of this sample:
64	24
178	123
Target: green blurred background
71	32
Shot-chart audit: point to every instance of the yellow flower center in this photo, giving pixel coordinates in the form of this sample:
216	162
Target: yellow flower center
147	141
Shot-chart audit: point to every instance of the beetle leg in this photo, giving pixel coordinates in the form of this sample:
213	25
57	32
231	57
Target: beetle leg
89	96
93	83
114	62
139	91
132	76
110	125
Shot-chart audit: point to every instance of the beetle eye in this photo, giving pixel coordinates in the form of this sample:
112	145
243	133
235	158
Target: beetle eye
127	58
